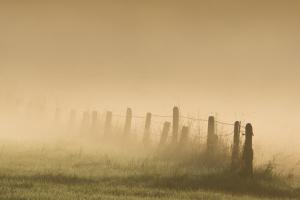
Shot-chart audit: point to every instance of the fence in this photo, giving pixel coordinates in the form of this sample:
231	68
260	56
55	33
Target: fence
174	129
171	132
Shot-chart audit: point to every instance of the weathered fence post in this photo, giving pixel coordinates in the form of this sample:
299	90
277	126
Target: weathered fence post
128	120
41	107
85	122
212	138
235	157
94	124
72	119
107	126
146	138
175	124
57	115
184	136
164	134
247	165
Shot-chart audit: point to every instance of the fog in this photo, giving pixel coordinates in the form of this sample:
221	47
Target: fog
239	60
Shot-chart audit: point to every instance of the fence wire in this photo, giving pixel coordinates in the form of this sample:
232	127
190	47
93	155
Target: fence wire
170	116
198	131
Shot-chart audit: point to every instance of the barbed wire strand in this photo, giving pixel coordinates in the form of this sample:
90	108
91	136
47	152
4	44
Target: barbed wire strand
184	117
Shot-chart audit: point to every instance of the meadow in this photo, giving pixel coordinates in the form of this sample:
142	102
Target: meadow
66	159
60	168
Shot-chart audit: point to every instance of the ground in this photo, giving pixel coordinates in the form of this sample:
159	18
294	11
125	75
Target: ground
84	172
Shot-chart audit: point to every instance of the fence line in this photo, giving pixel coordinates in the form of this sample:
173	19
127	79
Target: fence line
173	130
224	123
226	135
169	116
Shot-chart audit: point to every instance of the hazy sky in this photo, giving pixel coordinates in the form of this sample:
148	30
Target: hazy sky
210	55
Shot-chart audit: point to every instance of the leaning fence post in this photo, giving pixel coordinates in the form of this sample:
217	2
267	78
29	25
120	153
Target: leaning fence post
247	165
175	124
164	134
128	120
211	137
108	120
146	138
184	136
235	158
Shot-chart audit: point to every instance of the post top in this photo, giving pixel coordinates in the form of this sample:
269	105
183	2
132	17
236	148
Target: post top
249	129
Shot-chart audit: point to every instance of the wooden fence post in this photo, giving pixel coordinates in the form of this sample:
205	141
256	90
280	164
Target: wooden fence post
94	125
235	157
57	115
184	136
247	165
72	119
146	138
85	122
175	124
212	138
107	126
41	107
127	127
164	134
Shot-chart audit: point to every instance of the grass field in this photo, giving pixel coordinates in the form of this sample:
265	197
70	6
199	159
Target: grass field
71	171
